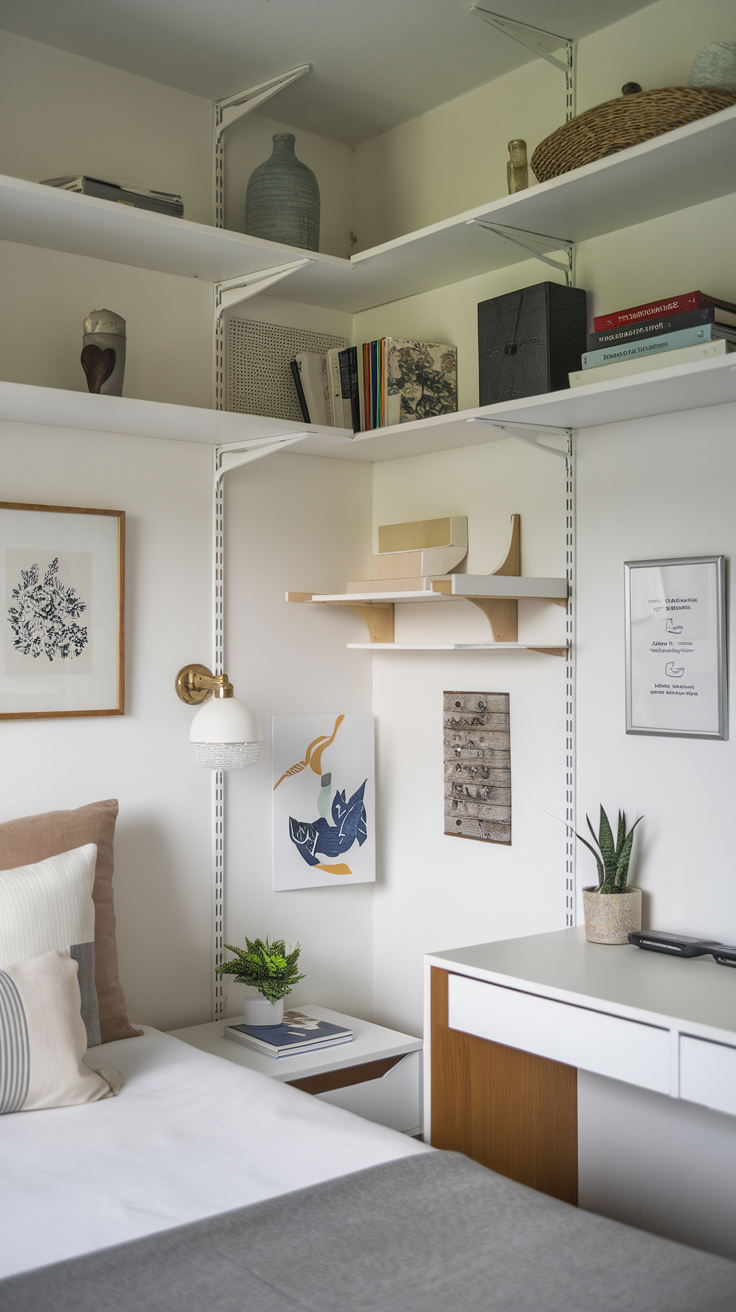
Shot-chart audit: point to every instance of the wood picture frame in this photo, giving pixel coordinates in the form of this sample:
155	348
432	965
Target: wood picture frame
676	653
62	571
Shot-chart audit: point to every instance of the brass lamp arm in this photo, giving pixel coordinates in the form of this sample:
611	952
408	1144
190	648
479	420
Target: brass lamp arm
196	684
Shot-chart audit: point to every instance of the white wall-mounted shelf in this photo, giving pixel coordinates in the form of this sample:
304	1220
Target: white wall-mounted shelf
686	167
638	396
455	646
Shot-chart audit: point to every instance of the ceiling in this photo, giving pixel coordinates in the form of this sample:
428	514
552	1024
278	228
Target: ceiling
375	63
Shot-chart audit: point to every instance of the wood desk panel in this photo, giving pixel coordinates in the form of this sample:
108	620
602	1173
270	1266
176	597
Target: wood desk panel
511	1110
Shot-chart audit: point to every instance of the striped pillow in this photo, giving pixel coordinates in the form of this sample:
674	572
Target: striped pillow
42	1038
49	905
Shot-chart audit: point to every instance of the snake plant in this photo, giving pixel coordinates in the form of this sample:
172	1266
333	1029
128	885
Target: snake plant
612	858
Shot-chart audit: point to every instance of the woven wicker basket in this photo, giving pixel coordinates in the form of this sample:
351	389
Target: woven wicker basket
624	122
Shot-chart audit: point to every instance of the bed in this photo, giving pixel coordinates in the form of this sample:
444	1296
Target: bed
204	1185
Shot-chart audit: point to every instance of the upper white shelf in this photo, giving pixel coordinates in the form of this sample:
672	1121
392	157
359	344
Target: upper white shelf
661	391
693	164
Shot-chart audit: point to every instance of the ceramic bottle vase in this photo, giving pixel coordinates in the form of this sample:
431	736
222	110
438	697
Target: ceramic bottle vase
282	200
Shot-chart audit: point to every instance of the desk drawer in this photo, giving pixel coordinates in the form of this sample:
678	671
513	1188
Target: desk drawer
592	1040
708	1073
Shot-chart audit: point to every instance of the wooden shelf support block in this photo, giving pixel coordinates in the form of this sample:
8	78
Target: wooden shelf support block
512	561
378	615
379	618
503	617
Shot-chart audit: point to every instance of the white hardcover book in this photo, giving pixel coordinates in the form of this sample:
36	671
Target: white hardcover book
642	364
339	418
310	372
330	420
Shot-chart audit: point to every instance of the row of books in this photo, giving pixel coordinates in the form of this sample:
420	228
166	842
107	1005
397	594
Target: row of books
679	329
388	381
297	1034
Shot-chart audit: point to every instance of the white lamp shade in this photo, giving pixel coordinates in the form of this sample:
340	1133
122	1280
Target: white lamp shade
225	735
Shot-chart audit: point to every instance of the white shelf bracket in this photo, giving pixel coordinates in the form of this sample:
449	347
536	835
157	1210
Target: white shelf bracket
542	43
235	454
228	110
234	290
535	244
528	433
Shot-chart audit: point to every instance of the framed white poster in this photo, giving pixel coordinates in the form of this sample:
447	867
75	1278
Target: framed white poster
62	577
676	673
323	800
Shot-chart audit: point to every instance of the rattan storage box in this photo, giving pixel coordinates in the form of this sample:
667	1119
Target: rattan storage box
616	124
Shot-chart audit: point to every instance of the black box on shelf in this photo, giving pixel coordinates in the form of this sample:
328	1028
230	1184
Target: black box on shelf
529	340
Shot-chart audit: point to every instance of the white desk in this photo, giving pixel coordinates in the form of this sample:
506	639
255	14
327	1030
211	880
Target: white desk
551	1002
377	1076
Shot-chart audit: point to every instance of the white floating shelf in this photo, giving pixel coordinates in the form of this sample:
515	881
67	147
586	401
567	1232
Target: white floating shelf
453	646
124	414
507	587
686	167
660	391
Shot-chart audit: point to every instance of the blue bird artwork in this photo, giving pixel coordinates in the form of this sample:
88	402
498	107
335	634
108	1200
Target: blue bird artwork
340	822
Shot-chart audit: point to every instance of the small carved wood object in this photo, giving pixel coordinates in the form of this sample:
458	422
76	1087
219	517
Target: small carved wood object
517	168
97	365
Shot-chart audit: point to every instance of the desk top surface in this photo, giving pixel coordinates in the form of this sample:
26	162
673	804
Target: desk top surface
622	979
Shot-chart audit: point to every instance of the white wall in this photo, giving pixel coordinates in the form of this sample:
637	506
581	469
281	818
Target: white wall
437	891
301	524
162	875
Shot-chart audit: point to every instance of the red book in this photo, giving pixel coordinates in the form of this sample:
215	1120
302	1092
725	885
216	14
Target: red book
669	305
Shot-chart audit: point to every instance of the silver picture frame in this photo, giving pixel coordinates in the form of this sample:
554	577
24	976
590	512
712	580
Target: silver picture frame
676	647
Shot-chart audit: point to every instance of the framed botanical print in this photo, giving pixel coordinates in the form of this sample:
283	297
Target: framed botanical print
676	667
62	582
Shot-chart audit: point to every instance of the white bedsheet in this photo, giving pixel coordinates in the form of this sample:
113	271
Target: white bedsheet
188	1136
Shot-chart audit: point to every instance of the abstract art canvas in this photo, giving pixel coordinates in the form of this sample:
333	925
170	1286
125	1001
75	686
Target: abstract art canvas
323	800
61	588
477	758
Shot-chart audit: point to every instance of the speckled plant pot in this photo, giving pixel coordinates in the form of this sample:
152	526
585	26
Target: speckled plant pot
259	1011
610	916
282	200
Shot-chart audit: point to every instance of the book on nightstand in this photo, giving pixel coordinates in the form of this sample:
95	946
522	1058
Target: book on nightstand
296	1035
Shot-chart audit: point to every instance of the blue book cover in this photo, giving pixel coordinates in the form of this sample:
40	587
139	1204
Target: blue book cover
297	1031
650	346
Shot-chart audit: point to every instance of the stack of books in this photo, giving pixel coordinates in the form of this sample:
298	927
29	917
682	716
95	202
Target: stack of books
389	381
676	330
404	380
327	387
161	202
297	1034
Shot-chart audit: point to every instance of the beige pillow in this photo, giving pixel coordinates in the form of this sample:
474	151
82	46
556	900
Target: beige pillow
43	1039
49	905
33	838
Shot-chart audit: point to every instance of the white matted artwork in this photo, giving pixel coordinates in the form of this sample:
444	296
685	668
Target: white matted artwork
61	587
323	800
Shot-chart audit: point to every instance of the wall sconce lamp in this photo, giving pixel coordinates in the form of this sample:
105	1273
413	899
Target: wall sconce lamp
225	734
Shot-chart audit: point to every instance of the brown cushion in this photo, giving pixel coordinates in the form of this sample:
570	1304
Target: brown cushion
35	838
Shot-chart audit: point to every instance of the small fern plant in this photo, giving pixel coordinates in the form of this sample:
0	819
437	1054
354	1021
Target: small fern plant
612	858
265	966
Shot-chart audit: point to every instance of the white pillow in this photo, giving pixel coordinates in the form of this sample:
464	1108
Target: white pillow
49	905
43	1039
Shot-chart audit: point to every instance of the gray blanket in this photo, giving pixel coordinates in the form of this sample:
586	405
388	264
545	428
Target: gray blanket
431	1233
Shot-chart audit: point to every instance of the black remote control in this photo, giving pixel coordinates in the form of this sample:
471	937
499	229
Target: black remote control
725	954
675	945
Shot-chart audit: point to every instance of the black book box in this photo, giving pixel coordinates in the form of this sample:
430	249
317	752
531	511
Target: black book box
528	341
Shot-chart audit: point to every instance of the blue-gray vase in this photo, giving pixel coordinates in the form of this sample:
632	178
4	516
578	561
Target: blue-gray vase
282	200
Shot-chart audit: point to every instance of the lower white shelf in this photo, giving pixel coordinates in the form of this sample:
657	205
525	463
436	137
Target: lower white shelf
455	646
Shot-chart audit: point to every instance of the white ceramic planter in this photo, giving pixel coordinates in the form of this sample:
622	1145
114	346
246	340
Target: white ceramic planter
259	1011
610	916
